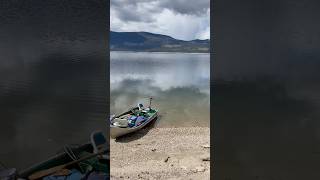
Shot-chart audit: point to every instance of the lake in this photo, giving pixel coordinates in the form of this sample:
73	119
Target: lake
56	100
177	82
52	78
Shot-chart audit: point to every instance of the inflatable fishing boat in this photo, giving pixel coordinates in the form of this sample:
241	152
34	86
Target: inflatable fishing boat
132	120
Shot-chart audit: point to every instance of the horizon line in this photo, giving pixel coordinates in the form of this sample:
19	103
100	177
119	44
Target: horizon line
157	34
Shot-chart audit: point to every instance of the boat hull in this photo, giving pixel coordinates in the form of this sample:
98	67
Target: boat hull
59	159
56	160
116	132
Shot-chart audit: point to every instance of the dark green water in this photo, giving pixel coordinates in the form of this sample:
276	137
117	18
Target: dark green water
53	88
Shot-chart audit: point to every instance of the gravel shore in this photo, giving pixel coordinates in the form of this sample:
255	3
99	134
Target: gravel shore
162	153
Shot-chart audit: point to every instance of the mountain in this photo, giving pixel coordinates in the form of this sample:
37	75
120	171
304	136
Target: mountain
145	41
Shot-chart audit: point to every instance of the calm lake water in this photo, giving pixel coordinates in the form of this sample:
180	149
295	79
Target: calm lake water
178	83
56	100
266	91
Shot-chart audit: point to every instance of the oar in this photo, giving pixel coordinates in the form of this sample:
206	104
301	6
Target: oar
55	169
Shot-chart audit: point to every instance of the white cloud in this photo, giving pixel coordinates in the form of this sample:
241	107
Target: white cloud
179	20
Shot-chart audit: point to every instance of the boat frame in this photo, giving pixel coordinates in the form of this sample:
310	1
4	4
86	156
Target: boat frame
116	131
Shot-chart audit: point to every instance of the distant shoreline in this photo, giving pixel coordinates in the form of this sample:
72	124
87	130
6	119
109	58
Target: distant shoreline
150	42
160	52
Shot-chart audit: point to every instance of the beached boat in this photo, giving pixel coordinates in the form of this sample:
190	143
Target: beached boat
80	161
132	120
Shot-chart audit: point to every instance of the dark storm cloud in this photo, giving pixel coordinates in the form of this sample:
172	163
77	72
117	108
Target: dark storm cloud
131	10
120	3
198	7
142	10
127	14
181	19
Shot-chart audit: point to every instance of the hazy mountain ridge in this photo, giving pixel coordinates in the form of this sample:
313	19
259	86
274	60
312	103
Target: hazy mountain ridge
145	41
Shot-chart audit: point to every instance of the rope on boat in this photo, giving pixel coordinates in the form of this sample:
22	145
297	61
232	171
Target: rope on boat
62	150
71	154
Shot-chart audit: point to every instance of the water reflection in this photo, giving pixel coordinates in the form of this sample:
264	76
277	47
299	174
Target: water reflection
179	83
266	90
52	77
267	125
42	110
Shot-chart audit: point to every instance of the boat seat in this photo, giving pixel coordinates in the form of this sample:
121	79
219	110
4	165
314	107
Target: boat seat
137	112
98	142
120	122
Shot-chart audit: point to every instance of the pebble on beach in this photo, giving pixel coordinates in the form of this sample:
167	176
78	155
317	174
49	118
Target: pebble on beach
162	153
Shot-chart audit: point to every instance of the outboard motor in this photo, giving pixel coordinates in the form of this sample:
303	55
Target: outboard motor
140	106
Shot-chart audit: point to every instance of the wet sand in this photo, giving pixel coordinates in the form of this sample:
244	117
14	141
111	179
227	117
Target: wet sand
162	153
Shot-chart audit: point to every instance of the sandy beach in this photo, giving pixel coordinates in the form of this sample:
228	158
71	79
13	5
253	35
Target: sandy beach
162	153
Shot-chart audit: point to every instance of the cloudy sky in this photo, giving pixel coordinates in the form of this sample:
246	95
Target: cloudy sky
181	19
